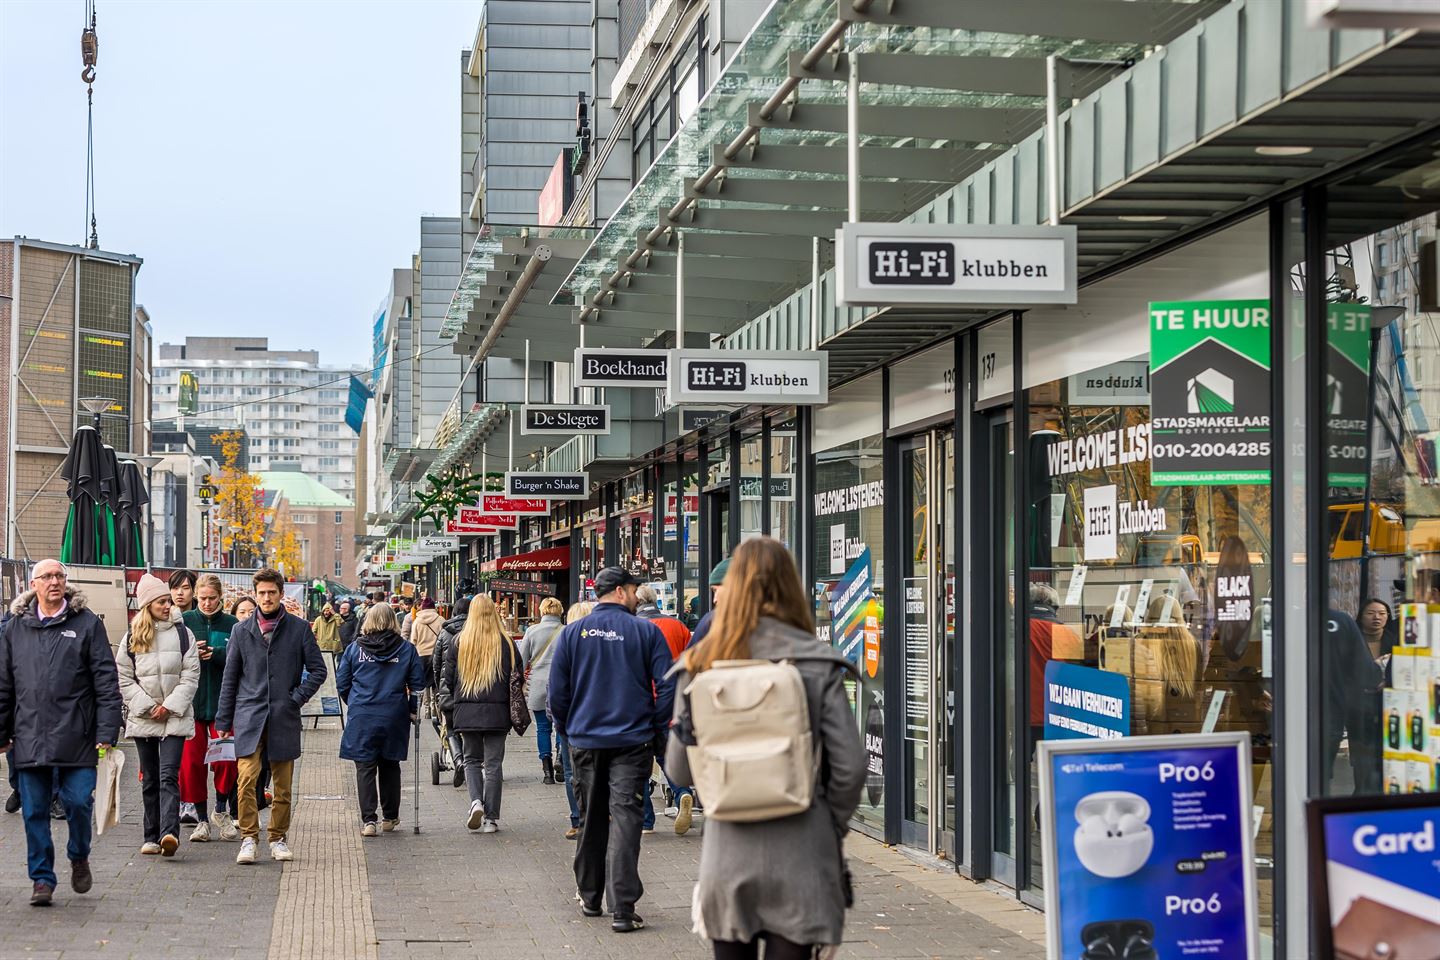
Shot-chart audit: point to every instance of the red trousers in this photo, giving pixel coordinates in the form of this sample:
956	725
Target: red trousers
192	768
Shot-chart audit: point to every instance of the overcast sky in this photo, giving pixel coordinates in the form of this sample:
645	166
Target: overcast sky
269	159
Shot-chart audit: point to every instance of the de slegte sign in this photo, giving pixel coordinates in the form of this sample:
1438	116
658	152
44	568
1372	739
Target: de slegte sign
750	376
1148	847
941	265
549	486
602	367
564	418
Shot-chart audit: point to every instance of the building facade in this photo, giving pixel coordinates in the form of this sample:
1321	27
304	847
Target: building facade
70	328
291	407
1216	161
324	521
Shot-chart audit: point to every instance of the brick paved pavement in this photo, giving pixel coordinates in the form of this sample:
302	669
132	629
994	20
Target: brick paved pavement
445	892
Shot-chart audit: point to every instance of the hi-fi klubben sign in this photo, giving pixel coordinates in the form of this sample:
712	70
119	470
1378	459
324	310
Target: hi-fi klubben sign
943	264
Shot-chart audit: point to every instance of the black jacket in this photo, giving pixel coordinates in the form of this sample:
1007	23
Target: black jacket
349	624
484	709
59	692
263	688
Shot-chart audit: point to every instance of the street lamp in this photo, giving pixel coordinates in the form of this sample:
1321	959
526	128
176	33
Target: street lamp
96	406
150	462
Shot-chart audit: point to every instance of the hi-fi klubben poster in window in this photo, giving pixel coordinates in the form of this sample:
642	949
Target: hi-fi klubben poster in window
1210	392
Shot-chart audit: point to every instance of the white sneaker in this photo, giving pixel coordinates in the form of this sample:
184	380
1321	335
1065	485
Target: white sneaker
280	851
371	829
188	813
489	826
477	815
672	812
150	849
224	824
201	834
247	851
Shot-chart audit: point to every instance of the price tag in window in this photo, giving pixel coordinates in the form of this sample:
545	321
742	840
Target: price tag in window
1142	601
1077	585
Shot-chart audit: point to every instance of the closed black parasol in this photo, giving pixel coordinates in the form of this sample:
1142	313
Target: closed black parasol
130	520
89	473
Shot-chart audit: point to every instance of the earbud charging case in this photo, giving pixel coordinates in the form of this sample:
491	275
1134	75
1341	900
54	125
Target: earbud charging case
1112	856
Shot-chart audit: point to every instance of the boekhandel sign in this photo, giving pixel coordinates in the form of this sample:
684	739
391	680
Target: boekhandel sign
1210	393
1148	847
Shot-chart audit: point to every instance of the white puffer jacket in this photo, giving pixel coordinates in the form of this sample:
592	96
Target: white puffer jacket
161	675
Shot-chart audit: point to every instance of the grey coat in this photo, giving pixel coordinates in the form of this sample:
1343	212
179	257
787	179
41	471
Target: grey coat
263	687
547	628
783	876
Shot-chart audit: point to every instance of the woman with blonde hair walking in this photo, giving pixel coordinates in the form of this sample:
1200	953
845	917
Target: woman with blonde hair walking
159	667
479	679
780	881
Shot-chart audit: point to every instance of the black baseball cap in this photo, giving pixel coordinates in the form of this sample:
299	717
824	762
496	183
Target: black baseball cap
612	578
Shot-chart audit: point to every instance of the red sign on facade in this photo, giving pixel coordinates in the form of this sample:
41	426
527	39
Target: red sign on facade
465	529
496	503
475	517
553	558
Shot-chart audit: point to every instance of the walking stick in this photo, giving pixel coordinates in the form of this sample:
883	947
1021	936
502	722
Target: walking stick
417	776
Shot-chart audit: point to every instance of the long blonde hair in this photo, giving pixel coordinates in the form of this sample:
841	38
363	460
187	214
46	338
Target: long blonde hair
1177	649
480	651
578	611
761	582
142	631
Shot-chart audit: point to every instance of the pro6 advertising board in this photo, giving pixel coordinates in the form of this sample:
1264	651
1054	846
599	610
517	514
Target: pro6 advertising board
1148	847
1376	875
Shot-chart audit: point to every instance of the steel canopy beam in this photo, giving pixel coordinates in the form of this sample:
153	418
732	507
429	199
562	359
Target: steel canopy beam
661	263
648	319
790	223
1010	76
946	166
882	197
720	289
664	304
757	245
1007	125
1115	21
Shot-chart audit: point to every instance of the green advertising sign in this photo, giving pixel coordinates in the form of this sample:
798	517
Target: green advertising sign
1347	386
1210	392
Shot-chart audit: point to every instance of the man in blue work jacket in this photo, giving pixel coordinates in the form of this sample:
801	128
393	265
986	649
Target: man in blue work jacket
609	695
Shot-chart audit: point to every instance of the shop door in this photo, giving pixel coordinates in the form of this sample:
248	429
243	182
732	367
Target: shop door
999	554
927	480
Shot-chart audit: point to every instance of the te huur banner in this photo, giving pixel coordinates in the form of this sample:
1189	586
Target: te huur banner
1210	393
1347	393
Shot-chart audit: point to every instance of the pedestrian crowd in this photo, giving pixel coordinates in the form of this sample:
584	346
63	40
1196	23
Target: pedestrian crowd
745	723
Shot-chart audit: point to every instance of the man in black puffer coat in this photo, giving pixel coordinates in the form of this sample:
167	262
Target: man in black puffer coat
59	705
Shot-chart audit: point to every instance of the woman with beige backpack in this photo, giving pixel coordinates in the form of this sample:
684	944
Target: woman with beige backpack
772	866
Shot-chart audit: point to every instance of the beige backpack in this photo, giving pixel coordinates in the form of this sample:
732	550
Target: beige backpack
751	750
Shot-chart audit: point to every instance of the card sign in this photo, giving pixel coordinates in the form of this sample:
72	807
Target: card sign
601	367
750	376
564	418
495	503
1148	842
942	265
551	486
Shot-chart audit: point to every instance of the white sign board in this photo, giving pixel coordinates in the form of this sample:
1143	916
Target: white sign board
750	376
601	367
943	264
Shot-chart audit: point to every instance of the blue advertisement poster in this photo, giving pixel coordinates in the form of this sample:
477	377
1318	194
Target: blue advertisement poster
1082	703
1382	876
1148	847
849	603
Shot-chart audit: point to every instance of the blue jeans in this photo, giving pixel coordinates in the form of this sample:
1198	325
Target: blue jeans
564	750
542	732
77	794
647	821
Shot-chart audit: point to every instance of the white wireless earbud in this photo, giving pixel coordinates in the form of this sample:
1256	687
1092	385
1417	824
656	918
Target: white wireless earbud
1130	825
1096	826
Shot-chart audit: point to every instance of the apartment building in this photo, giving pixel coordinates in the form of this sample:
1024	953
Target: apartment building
291	406
70	329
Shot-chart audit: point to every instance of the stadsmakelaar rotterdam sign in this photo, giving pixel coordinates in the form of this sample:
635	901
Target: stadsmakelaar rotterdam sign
1210	392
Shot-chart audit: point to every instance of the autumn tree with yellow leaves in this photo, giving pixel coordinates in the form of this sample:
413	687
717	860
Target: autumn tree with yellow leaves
239	503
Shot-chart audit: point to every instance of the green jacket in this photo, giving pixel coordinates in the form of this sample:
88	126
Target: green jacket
215	631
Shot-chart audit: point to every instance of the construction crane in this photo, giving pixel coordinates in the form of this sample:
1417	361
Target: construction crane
90	54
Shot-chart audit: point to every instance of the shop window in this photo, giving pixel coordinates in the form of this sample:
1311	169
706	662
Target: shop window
1147	535
784	478
1378	702
849	551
